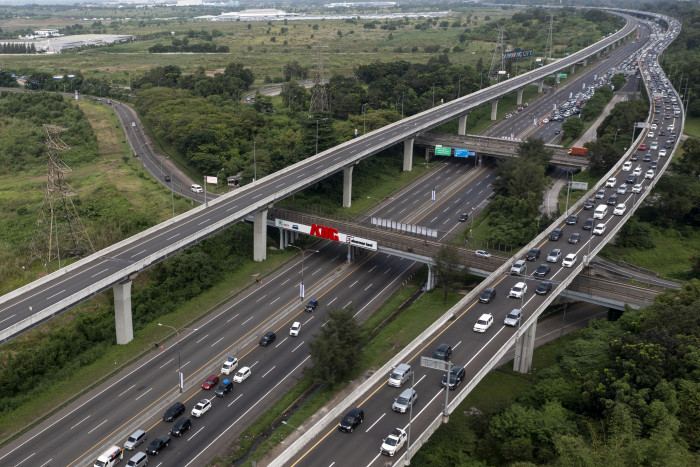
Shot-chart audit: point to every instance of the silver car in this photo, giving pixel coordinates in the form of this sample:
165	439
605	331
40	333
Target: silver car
405	400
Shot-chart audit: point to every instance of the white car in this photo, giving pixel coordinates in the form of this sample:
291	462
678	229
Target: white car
662	152
242	375
569	260
620	209
637	188
622	189
611	183
229	365
484	322
201	408
196	188
599	229
394	442
294	330
638	171
627	166
518	290
653	127
482	254
650	134
649	174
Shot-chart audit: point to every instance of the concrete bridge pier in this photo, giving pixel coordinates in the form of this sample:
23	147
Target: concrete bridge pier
286	237
520	97
260	236
347	186
494	109
524	347
408	154
122	312
585	61
540	86
430	283
573	68
462	125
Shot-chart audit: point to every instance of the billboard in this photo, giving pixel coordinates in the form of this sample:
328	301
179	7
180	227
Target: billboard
329	233
517	53
443	151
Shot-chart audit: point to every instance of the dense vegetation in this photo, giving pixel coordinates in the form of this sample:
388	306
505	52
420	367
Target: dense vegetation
623	393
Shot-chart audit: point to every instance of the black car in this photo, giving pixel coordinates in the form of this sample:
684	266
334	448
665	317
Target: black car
542	270
647	157
463	217
543	288
487	295
268	339
351	420
631	179
158	445
612	201
556	234
443	352
572	220
224	388
311	306
654	165
533	254
456	376
634	157
590	204
181	426
175	410
574	238
166	178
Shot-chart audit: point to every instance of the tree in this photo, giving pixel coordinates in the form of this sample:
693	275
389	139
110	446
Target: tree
572	127
447	266
336	350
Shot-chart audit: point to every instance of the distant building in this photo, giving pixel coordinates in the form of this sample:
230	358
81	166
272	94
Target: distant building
47	33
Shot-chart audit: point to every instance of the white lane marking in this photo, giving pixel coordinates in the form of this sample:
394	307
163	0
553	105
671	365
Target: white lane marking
205	221
7	318
216	342
273	301
353	284
385	272
161	367
246	320
97	426
185	364
45	463
27	458
256	301
127	389
149	390
331	302
384	289
347	304
81	421
372	268
172	236
367	431
368	287
281	184
434	219
305	322
258	195
234	401
195	434
57	293
455	346
284	282
136	254
98	273
223	432
268	371
202	338
302	343
282	342
232	318
315	271
251	366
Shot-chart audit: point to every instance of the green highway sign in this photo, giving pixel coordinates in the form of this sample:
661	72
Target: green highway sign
443	151
561	75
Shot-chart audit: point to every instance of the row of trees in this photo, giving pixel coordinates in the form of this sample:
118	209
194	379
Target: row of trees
17	48
622	393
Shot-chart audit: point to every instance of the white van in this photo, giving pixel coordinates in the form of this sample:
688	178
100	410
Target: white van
110	457
671	127
400	375
600	211
196	188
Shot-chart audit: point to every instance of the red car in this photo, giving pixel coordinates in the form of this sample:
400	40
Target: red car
210	382
642	147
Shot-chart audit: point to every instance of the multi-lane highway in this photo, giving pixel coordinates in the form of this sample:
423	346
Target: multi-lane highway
325	445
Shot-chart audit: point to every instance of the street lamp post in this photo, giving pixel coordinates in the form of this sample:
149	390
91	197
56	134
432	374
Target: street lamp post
459	86
364	118
615	140
568	189
179	361
434	92
255	162
410	414
301	286
172	196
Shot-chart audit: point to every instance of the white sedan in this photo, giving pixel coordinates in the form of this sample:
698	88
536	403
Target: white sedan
650	174
569	261
611	183
484	322
627	166
599	229
637	171
294	330
620	210
201	408
242	375
662	152
637	188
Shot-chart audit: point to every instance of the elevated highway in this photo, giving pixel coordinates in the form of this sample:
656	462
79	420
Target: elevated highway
114	267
